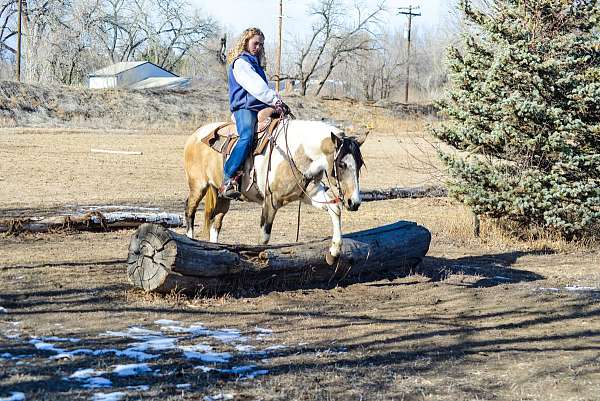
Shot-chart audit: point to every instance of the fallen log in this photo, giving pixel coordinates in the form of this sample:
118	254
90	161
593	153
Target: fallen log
163	261
401	193
92	221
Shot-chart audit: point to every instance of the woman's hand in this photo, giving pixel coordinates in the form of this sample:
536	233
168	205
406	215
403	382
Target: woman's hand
281	108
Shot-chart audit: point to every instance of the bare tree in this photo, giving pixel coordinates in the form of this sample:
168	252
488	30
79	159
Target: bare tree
332	40
328	14
8	10
171	31
352	40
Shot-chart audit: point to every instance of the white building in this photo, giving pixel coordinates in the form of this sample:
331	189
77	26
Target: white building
135	75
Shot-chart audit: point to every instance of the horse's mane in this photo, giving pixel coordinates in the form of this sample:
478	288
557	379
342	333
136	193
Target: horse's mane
349	145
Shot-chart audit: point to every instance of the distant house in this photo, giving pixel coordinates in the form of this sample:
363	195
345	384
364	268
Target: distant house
135	75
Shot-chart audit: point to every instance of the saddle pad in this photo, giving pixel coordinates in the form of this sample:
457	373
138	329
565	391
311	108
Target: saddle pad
224	137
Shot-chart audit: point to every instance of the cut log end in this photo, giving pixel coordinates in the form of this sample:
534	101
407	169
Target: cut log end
150	257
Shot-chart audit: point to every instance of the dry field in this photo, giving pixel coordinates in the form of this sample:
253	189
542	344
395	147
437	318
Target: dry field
511	320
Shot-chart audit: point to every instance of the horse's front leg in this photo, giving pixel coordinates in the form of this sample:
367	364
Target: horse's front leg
266	220
321	200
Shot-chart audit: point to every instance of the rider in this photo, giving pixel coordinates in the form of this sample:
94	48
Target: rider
248	94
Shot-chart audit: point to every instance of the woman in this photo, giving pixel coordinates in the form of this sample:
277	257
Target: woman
248	94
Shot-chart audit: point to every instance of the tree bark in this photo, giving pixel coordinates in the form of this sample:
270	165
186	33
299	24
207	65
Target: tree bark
161	260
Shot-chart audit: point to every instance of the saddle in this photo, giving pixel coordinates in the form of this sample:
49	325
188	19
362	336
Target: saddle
223	138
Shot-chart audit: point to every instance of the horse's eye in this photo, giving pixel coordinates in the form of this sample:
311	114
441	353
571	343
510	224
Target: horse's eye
343	165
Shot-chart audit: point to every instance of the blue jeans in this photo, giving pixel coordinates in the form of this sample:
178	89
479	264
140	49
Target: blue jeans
245	121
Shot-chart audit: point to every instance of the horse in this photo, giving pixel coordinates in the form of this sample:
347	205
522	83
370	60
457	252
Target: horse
304	160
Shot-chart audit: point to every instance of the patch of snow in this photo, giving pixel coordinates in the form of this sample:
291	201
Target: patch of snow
12	336
14	396
214	357
227	335
3	310
44	346
61	339
176	329
579	288
218	397
203	368
183	386
159	344
239	369
166	322
137	355
252	375
263	331
116	396
275	348
137	333
6	355
97	382
548	289
83	374
196	347
131	369
245	348
105	351
502	278
141	387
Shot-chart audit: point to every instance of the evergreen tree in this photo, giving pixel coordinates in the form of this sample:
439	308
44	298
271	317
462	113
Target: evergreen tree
523	113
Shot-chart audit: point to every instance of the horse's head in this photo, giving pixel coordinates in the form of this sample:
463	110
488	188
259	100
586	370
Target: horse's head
347	162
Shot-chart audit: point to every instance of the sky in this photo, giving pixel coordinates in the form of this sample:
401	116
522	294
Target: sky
237	15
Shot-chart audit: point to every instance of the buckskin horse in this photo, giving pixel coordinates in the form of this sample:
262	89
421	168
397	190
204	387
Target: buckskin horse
310	161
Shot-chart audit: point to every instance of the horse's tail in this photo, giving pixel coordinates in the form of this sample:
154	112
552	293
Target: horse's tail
210	203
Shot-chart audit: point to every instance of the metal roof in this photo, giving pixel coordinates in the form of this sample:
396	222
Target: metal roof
161	82
122	66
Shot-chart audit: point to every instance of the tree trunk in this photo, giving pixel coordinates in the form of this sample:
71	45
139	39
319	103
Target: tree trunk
161	260
92	221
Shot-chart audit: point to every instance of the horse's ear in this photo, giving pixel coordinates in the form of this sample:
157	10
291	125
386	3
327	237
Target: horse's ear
335	139
361	137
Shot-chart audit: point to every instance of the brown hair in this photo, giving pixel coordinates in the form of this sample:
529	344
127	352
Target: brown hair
242	45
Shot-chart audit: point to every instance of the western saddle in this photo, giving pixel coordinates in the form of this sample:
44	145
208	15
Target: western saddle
224	137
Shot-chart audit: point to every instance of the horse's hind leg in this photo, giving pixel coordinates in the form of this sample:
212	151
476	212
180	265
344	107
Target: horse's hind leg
216	222
197	192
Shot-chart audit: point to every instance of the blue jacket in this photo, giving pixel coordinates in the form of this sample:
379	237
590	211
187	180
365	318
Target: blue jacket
239	98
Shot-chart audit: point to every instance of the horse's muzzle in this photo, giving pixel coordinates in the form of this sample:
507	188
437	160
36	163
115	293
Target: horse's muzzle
352	205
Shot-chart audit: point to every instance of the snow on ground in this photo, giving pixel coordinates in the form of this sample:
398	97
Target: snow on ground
14	396
116	396
572	288
216	348
3	310
218	397
131	369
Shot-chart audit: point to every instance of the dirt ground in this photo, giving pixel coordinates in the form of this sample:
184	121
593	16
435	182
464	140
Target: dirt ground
509	320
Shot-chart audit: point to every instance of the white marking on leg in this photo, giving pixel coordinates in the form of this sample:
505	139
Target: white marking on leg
213	234
320	199
190	232
264	239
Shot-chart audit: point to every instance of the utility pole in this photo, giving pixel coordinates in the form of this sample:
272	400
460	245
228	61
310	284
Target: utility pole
278	66
408	11
18	72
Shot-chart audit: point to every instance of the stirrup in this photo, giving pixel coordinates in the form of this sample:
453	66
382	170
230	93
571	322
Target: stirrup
229	189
